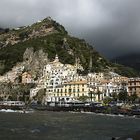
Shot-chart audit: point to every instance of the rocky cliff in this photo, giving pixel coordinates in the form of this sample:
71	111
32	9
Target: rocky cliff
35	45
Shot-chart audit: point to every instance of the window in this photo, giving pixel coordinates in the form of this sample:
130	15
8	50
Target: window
70	90
78	90
67	99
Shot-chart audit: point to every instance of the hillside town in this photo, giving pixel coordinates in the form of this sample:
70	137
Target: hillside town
62	83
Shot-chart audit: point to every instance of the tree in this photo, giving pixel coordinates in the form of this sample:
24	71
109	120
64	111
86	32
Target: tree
7	30
24	35
40	95
114	96
99	93
91	93
83	98
12	97
107	100
123	96
1	99
132	98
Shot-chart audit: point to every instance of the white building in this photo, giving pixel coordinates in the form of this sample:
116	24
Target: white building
56	74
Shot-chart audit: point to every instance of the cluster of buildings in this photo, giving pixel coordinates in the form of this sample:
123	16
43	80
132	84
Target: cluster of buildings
62	83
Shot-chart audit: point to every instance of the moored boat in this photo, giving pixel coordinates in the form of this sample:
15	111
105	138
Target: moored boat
14	105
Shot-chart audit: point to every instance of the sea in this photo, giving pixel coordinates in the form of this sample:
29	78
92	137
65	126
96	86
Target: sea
45	125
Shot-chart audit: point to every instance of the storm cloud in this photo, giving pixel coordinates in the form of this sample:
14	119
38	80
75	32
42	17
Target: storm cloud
112	26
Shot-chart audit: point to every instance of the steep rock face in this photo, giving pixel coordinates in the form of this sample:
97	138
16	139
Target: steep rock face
33	64
34	61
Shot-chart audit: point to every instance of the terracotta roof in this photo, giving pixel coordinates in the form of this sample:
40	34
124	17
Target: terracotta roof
76	82
105	81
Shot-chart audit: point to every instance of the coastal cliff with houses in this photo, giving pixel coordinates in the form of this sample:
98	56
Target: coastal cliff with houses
42	63
58	82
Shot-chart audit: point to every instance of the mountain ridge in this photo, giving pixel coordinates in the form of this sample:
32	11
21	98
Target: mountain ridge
131	60
52	38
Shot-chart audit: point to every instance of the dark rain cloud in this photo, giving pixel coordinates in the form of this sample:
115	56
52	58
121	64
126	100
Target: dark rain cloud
113	26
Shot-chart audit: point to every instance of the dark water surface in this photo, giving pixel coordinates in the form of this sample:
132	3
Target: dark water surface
64	126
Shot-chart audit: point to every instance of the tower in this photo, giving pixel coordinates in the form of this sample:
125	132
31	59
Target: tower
56	58
90	63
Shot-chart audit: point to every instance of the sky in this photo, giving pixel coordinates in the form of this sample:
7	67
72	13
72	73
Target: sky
111	26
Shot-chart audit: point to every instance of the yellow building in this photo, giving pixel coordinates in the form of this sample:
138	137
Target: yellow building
68	91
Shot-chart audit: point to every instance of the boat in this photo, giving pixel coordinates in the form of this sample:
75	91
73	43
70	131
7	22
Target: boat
13	105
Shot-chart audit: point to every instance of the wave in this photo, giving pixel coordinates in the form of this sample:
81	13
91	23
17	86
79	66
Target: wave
16	111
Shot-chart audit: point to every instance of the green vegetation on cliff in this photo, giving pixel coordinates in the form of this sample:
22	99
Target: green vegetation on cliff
125	71
53	44
54	41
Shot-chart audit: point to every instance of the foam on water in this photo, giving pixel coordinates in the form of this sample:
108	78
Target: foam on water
15	111
35	131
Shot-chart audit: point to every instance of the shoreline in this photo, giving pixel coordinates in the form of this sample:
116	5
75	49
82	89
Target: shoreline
77	112
109	115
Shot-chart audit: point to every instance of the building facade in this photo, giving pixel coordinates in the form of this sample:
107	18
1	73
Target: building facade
134	86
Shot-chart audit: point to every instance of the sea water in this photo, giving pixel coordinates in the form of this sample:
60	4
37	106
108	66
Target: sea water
44	125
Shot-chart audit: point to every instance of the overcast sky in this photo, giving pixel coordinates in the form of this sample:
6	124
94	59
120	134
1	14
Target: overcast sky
112	26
